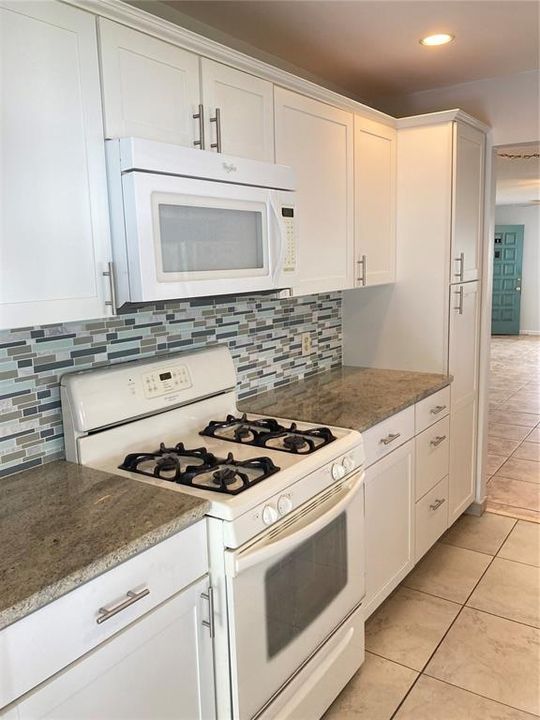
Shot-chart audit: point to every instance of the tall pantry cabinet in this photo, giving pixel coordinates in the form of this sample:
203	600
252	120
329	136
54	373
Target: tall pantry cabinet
430	319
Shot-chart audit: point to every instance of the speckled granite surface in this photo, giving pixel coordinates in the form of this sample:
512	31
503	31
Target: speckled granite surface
63	524
351	397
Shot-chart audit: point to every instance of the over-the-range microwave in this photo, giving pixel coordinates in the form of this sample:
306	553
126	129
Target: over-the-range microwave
188	223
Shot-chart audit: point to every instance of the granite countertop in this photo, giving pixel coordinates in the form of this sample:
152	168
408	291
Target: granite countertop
350	397
63	524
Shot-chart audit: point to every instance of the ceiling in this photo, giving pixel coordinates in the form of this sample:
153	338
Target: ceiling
518	180
370	48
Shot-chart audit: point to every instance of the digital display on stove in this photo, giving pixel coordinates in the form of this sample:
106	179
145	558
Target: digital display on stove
165	376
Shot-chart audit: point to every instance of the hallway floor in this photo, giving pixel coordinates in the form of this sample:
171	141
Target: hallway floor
513	466
460	637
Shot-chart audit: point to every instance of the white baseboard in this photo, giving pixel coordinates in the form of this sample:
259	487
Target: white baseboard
529	332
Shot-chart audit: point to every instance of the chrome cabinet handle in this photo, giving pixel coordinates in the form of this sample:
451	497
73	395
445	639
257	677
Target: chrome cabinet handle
437	409
389	438
200	117
132	597
459	306
209	595
110	274
217	119
437	504
437	440
362	262
461	261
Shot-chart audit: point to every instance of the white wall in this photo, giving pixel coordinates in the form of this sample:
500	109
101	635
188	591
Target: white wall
510	105
529	216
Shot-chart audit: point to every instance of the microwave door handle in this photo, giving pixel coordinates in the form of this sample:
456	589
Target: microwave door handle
276	238
242	562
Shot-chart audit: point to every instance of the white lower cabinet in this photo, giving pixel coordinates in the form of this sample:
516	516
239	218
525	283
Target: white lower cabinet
389	502
158	667
462	459
431	517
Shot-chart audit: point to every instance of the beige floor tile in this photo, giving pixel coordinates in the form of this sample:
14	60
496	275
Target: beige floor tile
507	431
408	627
493	463
374	692
514	492
515	418
534	435
432	699
501	446
528	451
484	534
523	544
516	469
493	657
448	572
511	590
515	513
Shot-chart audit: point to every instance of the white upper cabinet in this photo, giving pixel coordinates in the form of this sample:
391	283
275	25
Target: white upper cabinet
317	141
150	87
468	202
374	202
54	232
239	112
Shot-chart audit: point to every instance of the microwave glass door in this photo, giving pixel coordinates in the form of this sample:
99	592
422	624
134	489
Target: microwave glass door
198	238
292	588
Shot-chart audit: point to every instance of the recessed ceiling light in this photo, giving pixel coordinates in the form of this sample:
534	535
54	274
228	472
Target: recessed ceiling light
438	39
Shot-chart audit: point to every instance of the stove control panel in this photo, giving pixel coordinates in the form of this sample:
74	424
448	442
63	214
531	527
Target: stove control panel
166	380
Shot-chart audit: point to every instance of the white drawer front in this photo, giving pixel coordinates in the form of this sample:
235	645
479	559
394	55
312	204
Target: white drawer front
388	435
432	456
431	517
37	646
432	409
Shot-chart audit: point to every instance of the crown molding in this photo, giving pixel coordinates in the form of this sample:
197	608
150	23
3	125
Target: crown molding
188	40
441	117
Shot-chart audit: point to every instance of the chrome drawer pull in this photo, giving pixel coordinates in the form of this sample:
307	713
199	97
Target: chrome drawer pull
200	117
209	595
389	438
461	261
437	409
217	119
437	504
437	440
132	597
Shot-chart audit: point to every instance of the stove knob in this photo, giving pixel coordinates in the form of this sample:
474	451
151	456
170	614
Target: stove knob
284	505
269	514
348	463
338	471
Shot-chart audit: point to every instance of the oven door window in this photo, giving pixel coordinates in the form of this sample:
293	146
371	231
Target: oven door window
302	584
199	238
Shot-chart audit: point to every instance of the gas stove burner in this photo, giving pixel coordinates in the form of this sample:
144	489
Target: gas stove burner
199	468
268	433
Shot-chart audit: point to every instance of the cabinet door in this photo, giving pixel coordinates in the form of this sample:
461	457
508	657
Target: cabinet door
389	502
374	202
468	202
463	343
150	88
246	111
54	233
161	666
317	141
463	441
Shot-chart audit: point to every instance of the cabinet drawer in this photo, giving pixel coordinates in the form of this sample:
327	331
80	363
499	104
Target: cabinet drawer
388	435
431	409
432	456
431	517
37	646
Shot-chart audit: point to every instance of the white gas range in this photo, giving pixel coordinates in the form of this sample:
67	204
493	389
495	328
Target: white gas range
285	523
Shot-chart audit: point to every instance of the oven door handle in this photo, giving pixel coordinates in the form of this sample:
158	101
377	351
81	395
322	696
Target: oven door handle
236	563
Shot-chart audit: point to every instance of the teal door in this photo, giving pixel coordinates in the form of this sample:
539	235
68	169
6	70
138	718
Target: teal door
507	260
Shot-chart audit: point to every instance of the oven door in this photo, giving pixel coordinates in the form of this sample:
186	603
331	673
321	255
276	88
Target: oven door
187	237
290	589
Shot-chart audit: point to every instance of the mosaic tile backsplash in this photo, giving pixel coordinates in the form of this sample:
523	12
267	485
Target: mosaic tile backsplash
263	334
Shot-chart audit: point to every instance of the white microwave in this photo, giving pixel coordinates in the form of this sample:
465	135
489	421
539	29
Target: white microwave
189	223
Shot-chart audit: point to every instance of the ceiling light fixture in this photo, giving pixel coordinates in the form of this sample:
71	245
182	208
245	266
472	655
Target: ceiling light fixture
438	39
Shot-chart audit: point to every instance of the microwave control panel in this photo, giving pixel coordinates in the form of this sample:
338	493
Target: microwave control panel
167	380
289	263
